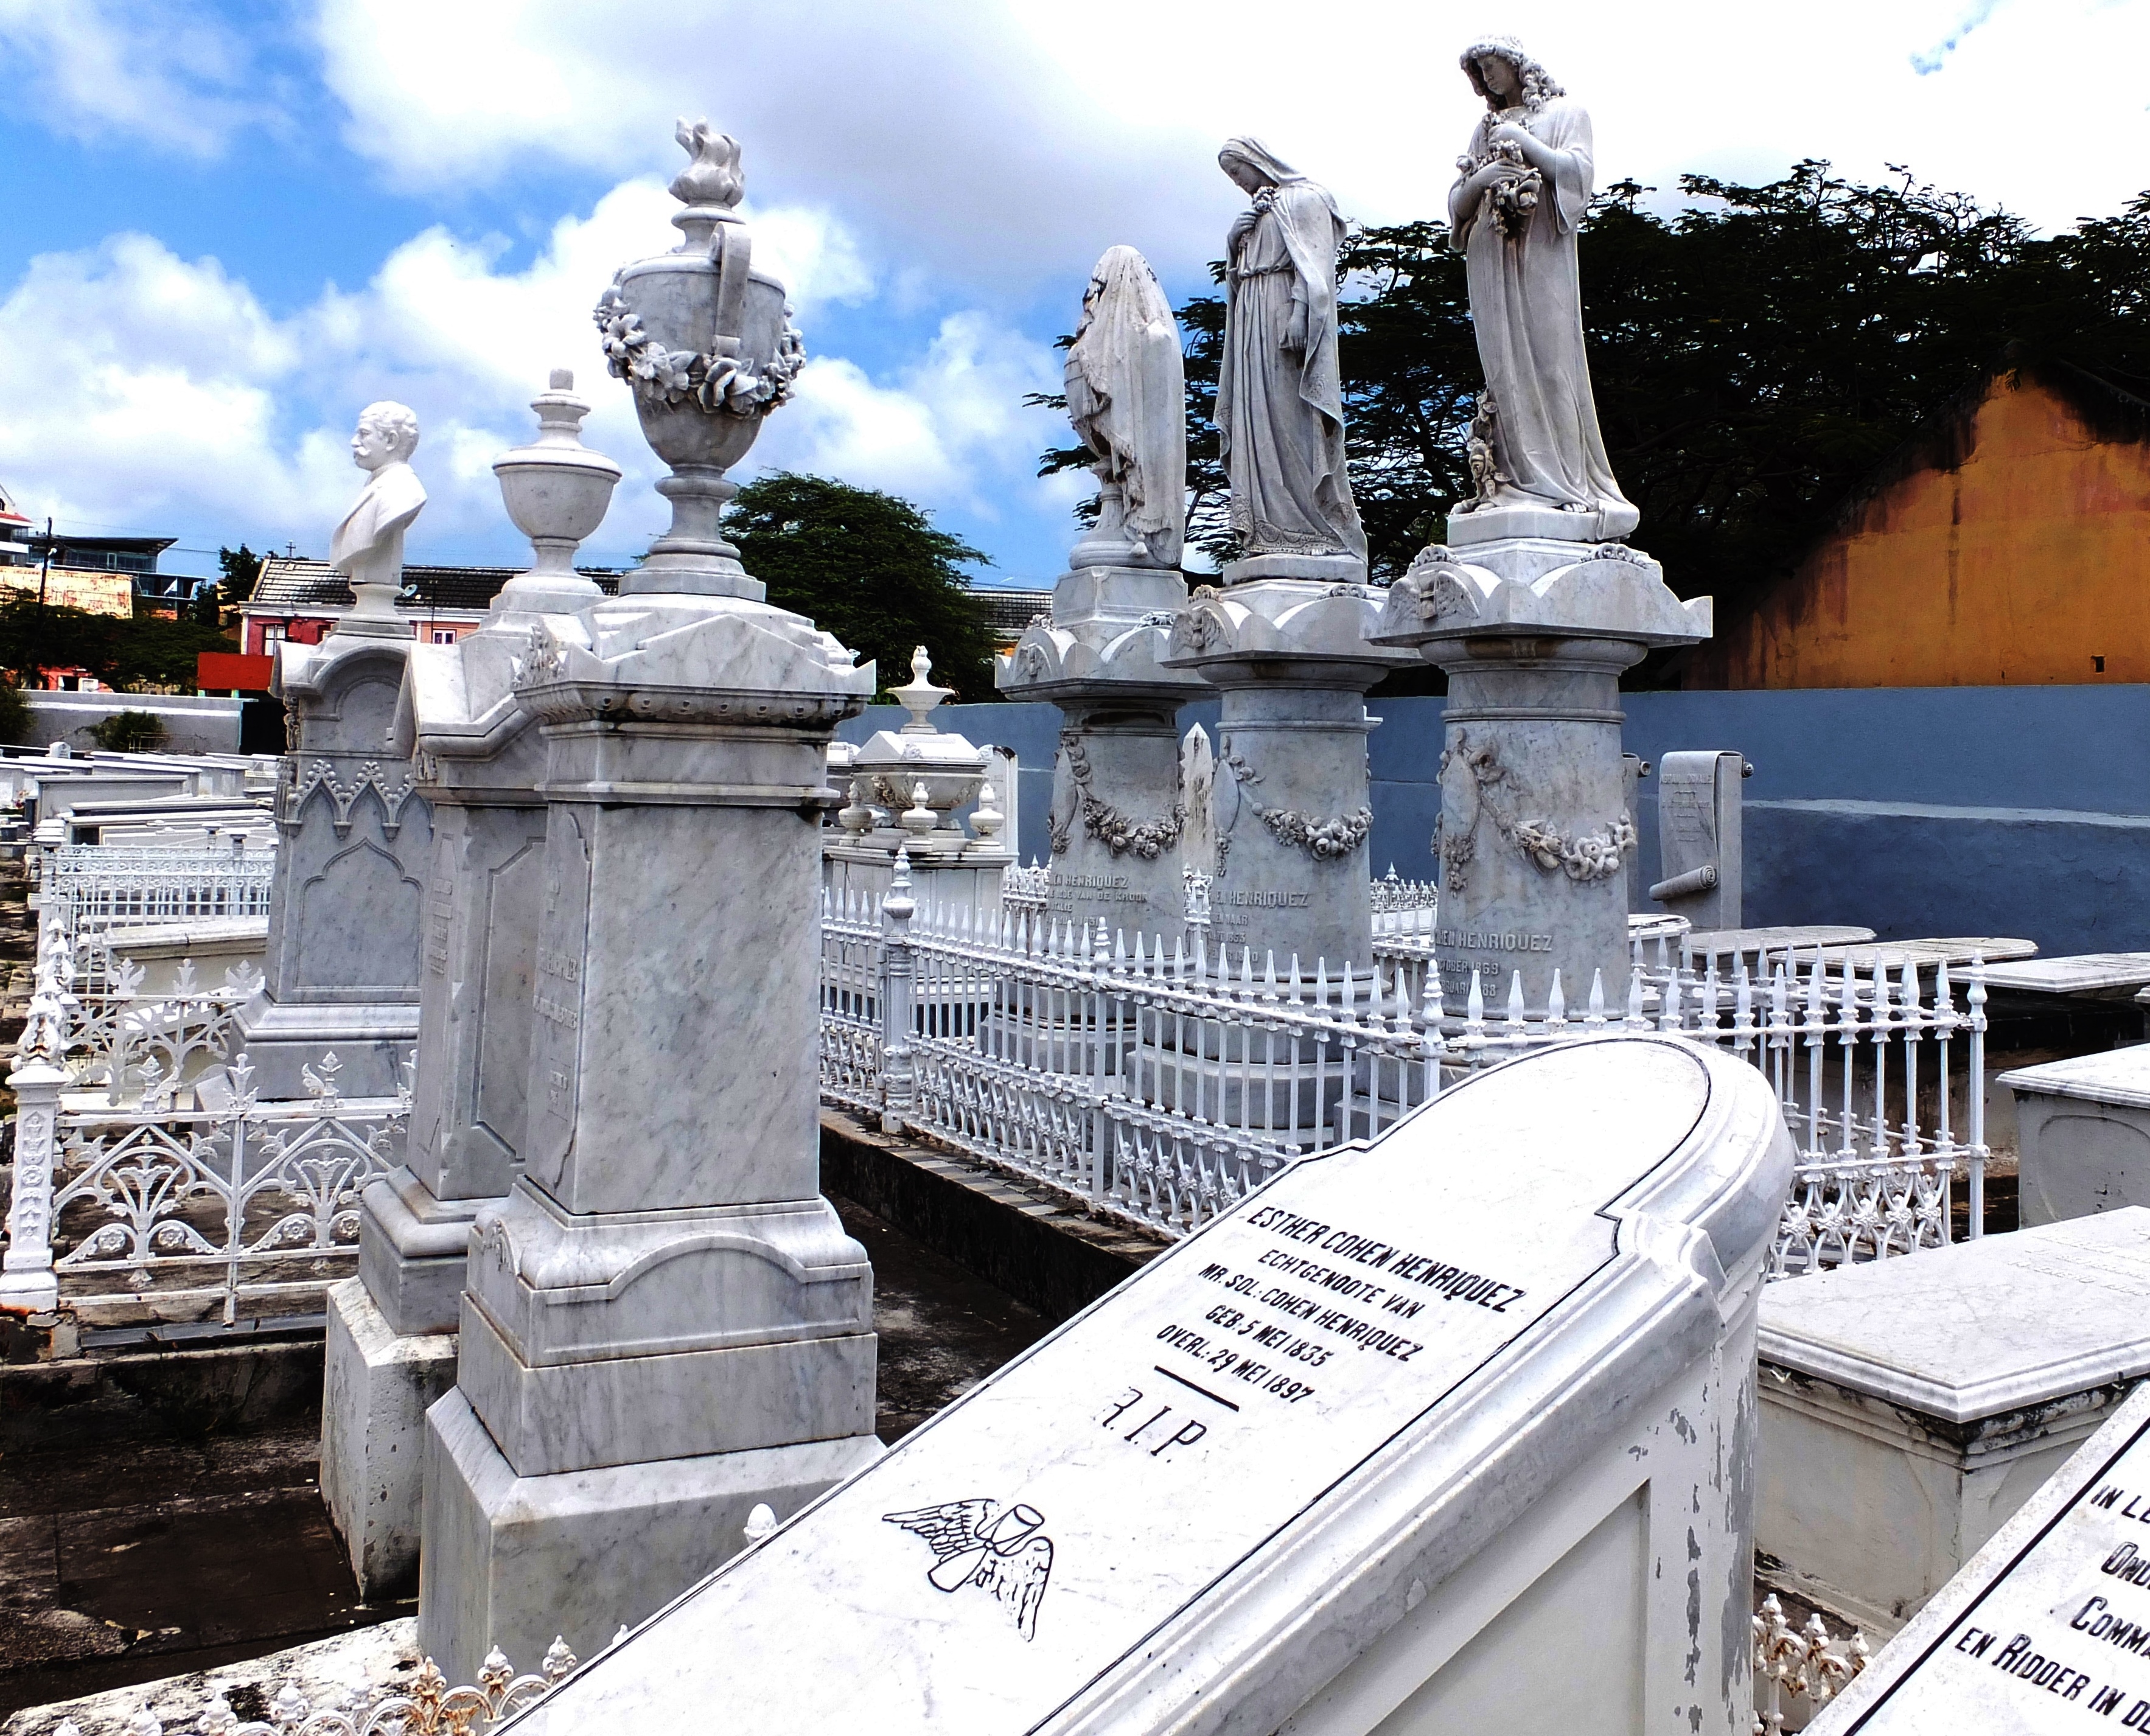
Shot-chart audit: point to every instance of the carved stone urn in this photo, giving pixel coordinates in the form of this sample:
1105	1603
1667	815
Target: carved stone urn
556	491
707	344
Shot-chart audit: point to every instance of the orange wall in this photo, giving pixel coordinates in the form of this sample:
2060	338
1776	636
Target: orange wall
2020	568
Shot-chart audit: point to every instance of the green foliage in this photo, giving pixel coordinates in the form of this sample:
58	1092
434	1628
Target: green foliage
14	715
150	653
240	568
1756	357
208	606
870	568
129	732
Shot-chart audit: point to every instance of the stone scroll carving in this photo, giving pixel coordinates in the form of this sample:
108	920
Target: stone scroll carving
1481	789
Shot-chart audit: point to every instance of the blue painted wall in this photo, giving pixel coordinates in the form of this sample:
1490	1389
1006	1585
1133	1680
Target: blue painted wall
1911	810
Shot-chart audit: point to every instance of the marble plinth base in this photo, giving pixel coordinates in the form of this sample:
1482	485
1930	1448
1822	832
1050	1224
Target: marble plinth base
412	1252
371	1041
1293	813
1330	569
377	1387
513	1561
1489	524
2083	1129
1291	805
1911	1407
1119	818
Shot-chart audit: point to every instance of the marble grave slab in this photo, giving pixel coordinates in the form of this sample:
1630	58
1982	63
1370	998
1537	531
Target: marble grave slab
2047	1629
1444	1321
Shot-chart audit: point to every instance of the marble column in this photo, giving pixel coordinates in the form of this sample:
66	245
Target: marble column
1119	814
479	762
664	1324
1291	806
1535	838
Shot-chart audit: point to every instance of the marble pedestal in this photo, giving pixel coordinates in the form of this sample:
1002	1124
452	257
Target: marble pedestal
2083	1134
340	968
479	761
379	1383
1535	840
1909	1407
663	1322
1291	803
1119	816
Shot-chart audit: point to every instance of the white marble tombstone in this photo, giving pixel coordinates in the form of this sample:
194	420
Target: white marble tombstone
1910	1406
1701	859
1449	1432
341	971
2047	1629
664	1324
391	1345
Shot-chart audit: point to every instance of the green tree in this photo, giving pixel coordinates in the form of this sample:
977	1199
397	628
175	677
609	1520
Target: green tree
148	654
239	569
14	714
129	732
870	568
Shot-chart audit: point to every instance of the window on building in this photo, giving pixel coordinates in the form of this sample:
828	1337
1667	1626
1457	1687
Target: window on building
273	632
444	635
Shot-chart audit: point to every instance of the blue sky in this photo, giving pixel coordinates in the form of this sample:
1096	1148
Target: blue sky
229	226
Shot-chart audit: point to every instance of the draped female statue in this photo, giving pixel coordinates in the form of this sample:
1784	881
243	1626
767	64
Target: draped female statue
1127	396
1279	397
1519	197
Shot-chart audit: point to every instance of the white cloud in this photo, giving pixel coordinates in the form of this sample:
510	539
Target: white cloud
170	75
149	390
1000	143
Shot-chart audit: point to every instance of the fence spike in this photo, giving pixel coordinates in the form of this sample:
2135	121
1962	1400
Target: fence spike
1516	1019
1474	1009
1555	1002
1637	1020
1595	1014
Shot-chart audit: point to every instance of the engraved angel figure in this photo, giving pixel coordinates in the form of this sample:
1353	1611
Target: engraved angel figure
979	1542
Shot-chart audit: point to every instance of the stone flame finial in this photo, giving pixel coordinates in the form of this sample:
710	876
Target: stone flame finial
714	177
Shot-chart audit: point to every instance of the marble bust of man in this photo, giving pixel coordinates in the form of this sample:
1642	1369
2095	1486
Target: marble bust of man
368	546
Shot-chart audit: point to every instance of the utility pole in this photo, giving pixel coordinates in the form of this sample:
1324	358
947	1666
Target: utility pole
44	571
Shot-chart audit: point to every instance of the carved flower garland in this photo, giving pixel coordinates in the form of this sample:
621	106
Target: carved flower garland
1323	840
673	377
1148	839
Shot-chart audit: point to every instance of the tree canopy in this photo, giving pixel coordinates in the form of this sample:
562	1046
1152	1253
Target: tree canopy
1756	356
150	654
870	568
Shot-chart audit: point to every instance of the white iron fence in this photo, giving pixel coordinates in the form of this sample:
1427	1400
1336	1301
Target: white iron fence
1157	1084
173	1193
124	885
246	1209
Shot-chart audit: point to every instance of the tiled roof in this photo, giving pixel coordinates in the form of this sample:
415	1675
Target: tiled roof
1009	611
294	585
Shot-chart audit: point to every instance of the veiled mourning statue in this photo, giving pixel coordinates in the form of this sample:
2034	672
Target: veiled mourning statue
1279	396
1127	396
1519	198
